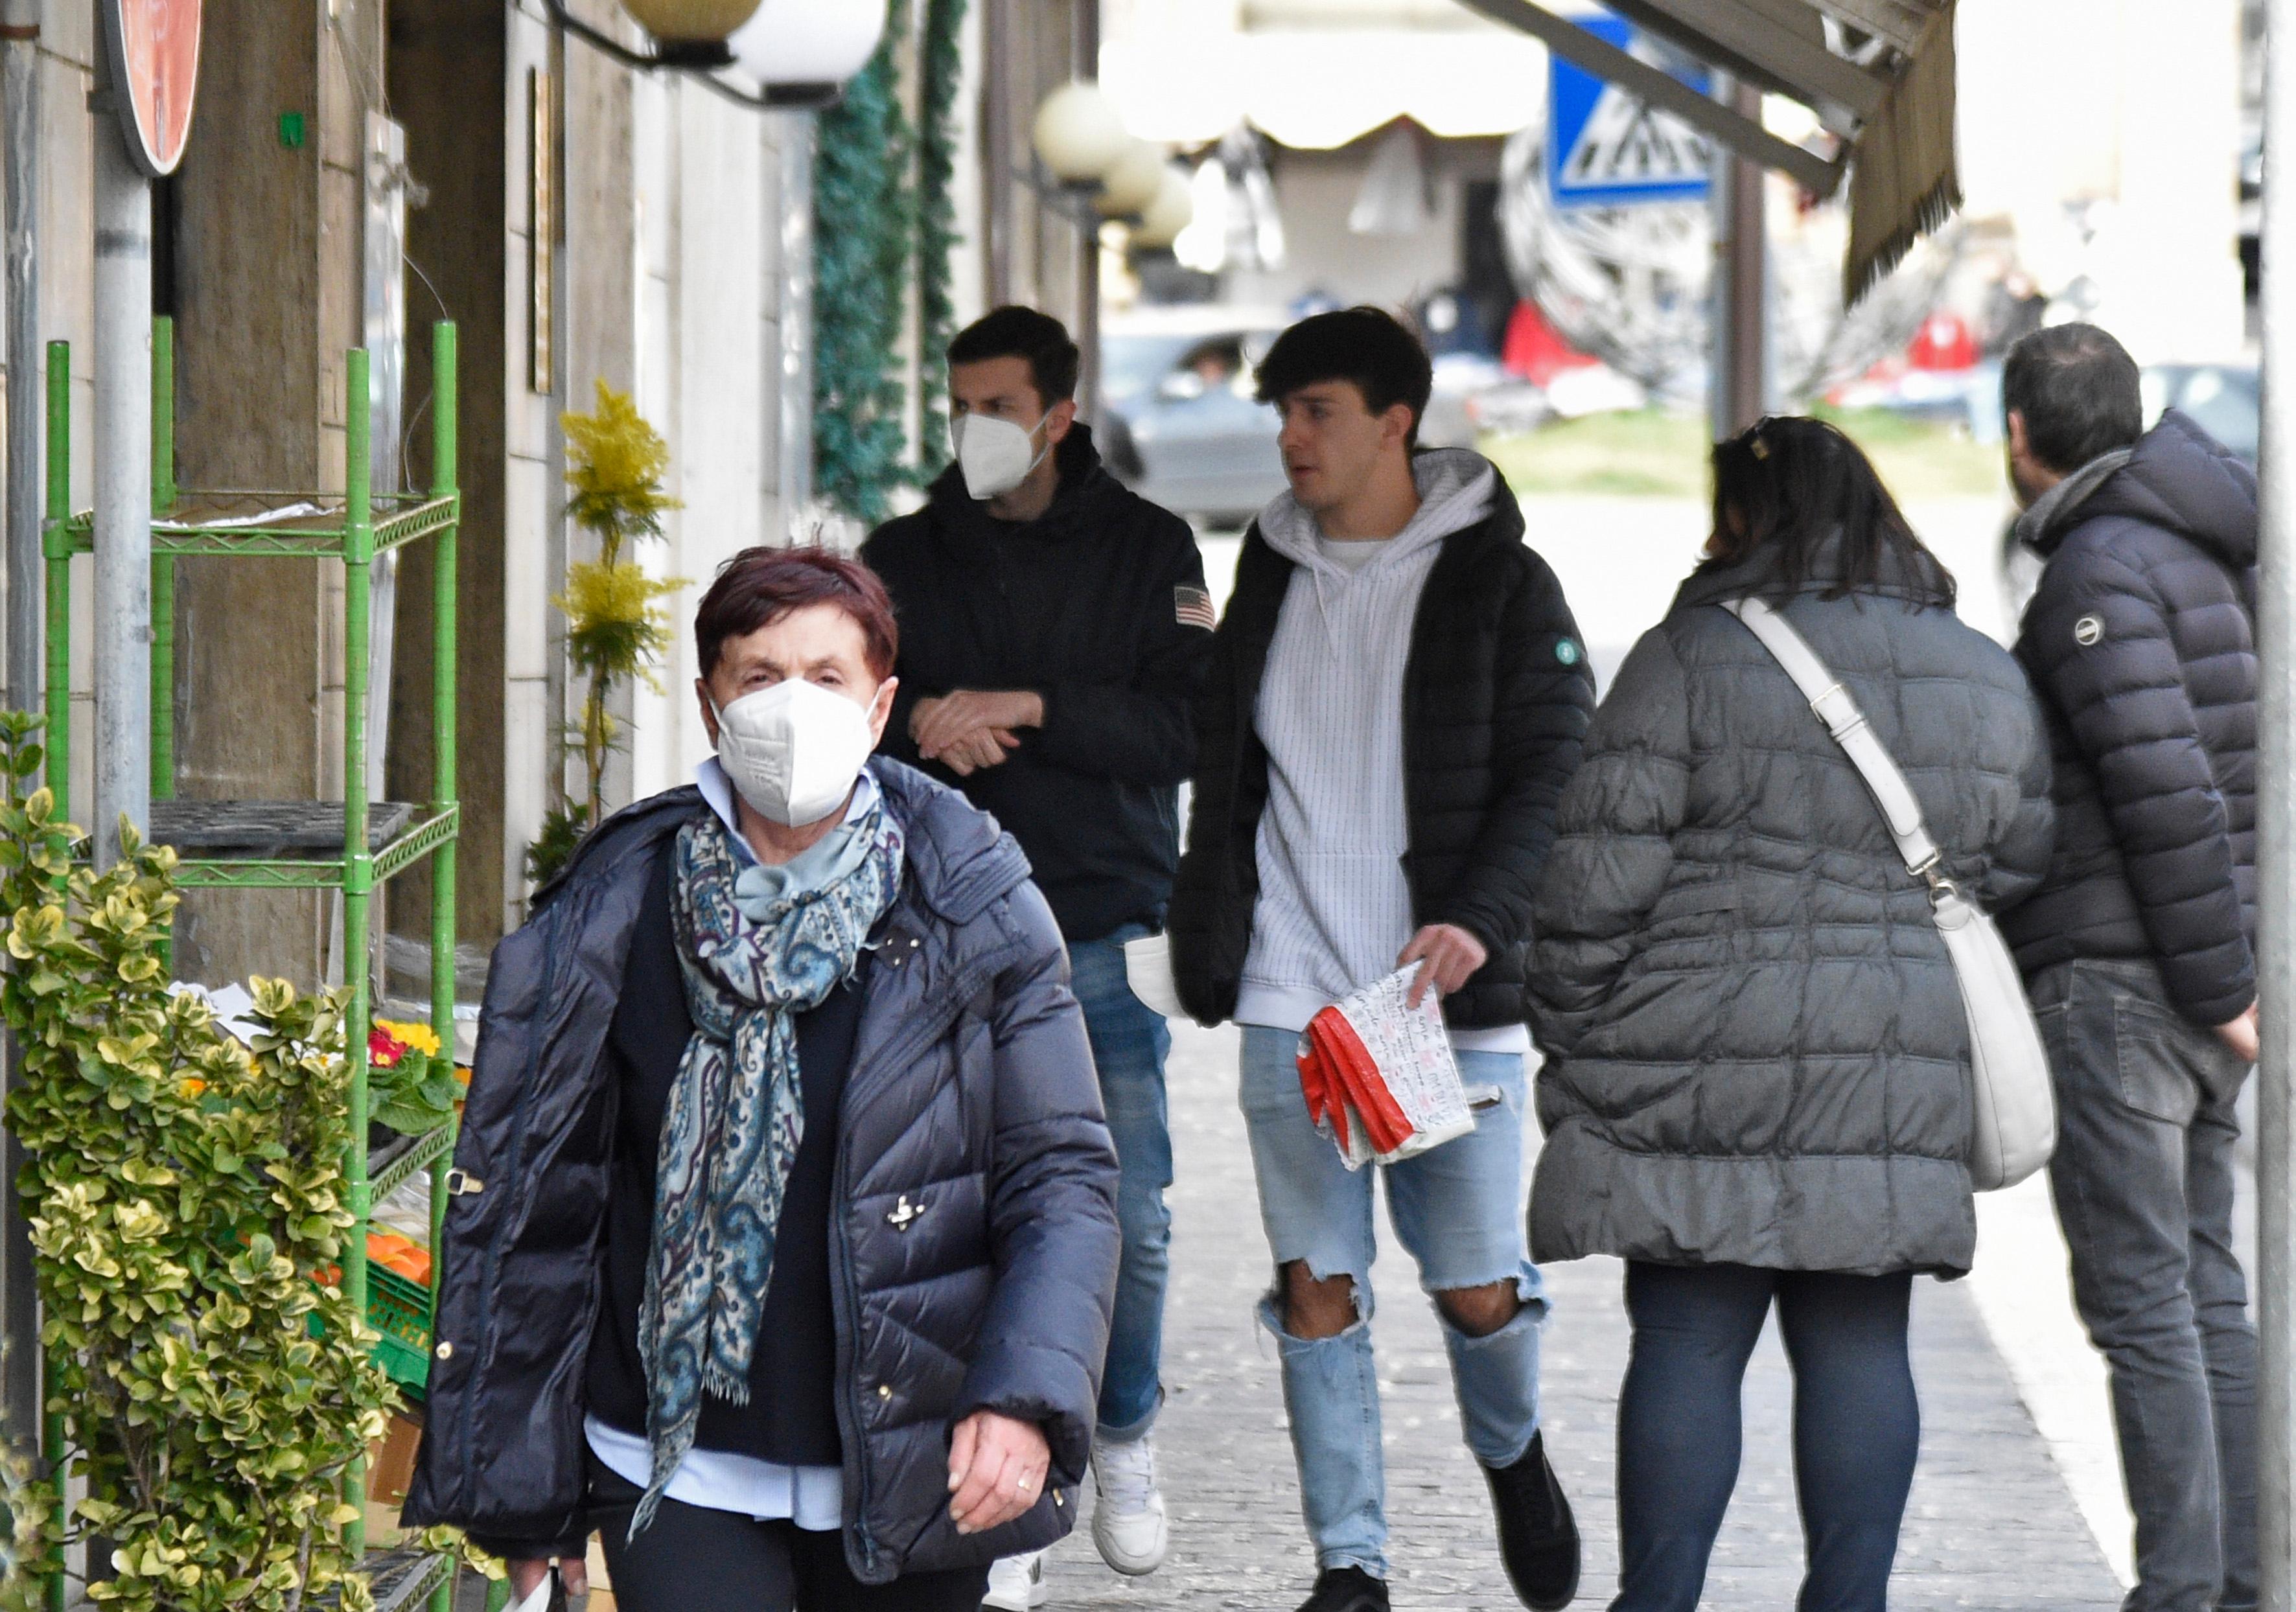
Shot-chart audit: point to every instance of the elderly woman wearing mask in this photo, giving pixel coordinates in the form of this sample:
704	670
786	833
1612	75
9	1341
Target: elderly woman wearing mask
784	1238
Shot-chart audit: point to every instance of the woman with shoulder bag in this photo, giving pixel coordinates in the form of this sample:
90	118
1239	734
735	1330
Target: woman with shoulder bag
1758	1087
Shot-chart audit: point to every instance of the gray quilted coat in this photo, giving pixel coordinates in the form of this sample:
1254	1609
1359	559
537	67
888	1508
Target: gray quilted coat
1755	1047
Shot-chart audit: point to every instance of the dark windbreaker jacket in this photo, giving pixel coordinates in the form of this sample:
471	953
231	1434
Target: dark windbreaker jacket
2142	644
1496	696
1099	606
972	1098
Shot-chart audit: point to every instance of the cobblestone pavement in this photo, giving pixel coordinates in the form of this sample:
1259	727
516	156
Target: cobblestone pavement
1991	1524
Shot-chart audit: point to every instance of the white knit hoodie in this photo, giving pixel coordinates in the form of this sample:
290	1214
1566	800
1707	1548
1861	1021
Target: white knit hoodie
1334	905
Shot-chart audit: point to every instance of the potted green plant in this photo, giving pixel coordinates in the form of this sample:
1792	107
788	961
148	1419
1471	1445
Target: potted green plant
616	629
188	1212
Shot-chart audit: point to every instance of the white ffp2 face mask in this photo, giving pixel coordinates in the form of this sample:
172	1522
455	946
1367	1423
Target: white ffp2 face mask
994	454
794	750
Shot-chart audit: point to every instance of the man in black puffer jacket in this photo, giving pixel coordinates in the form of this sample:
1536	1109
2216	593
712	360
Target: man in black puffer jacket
2139	947
1398	696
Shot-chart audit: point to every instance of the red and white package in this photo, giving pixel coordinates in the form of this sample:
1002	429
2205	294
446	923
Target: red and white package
1379	1075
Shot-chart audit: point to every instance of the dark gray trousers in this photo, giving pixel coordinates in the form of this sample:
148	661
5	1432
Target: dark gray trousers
2143	1179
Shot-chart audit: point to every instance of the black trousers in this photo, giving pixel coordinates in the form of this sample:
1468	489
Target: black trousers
694	1559
1857	1426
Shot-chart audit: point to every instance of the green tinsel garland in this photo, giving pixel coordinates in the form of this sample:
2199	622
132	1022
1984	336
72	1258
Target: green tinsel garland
862	237
882	212
942	69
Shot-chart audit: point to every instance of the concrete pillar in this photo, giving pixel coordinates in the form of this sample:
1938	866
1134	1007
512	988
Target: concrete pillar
450	83
270	288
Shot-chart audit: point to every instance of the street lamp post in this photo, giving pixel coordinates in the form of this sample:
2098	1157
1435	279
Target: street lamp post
148	64
1085	154
800	53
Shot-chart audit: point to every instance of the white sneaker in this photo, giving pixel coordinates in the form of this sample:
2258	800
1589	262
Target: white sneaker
1016	1583
1127	1523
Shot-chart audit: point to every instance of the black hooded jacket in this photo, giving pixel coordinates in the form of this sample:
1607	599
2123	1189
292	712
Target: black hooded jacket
972	1240
2142	644
1496	701
1099	606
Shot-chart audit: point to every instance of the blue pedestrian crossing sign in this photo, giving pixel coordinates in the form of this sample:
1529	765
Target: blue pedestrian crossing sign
1606	147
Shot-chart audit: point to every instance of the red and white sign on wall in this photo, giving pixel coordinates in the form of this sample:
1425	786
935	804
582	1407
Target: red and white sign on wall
154	46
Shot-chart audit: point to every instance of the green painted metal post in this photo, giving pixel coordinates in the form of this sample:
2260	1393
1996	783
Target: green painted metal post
444	471
163	566
55	546
444	714
358	862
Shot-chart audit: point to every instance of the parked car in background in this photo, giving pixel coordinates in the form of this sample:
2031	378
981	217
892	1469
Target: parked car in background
1178	424
2224	398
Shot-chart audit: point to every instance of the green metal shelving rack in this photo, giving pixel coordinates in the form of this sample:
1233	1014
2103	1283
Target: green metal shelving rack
243	845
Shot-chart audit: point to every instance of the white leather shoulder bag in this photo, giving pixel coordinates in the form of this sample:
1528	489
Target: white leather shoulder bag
2016	1104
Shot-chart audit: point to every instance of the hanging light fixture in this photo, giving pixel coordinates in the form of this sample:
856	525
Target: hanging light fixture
1078	135
1131	182
1164	217
692	33
802	52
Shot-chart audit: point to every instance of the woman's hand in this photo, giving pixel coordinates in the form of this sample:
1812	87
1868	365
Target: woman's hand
996	1468
573	1572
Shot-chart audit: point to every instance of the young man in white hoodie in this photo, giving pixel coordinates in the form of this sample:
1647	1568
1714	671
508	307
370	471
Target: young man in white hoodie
1398	696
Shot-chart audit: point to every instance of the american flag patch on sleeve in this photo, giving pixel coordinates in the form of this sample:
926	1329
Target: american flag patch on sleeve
1192	607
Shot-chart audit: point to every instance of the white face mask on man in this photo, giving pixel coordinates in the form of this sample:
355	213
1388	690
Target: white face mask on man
995	453
794	750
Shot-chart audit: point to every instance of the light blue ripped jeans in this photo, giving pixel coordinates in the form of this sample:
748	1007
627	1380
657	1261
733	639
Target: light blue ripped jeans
1458	1211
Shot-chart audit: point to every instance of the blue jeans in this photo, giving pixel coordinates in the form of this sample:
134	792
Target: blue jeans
1458	1211
2143	1178
1857	1427
1129	1043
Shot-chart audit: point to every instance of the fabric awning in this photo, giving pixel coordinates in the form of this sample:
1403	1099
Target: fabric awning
1315	89
1879	75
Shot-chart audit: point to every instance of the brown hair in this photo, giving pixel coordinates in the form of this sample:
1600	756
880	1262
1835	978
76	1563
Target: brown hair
759	585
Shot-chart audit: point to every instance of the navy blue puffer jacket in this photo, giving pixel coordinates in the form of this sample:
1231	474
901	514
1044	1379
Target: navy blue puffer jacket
971	1097
2142	644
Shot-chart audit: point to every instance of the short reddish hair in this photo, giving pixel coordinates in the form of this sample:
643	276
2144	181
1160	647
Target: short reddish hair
759	586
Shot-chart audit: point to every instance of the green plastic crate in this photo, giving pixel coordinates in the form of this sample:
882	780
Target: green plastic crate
399	1310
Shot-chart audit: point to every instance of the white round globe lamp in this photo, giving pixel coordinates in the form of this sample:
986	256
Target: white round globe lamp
1168	214
1078	135
802	52
1131	182
692	33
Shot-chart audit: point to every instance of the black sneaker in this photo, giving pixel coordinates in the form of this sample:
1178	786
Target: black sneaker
1538	1539
1346	1590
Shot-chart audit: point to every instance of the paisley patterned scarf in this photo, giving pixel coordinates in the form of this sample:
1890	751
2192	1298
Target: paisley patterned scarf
735	1115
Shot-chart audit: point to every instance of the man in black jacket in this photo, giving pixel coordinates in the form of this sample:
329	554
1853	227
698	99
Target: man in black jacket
1054	629
1398	695
2139	947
